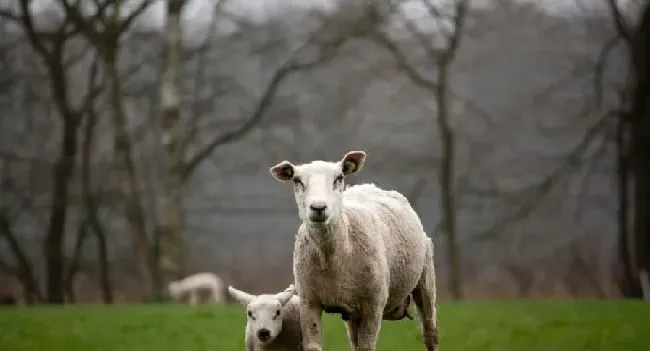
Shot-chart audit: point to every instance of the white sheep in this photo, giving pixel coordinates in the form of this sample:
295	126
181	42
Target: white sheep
192	284
273	320
360	251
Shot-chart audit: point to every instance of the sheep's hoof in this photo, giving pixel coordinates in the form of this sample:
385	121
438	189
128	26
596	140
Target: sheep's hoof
313	348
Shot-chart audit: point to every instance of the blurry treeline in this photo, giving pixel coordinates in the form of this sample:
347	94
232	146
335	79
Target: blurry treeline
136	137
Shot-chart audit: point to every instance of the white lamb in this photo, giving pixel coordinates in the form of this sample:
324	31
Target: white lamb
273	320
194	283
360	251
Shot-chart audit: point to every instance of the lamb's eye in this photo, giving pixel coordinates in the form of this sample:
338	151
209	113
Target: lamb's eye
277	313
250	315
298	183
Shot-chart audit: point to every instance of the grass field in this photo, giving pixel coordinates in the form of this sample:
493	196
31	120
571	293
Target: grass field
466	326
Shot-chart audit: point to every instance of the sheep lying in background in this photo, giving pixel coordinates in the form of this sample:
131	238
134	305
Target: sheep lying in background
360	251
193	284
273	320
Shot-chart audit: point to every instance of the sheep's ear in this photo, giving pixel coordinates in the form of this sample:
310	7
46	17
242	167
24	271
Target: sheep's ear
283	171
286	295
352	162
241	296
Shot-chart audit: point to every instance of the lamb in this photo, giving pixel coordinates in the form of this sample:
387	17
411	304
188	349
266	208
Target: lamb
273	320
192	284
360	251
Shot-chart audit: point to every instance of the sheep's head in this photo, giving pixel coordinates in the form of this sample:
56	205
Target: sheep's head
174	289
265	312
318	185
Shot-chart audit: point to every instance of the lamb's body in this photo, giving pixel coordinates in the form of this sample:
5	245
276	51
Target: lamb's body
359	251
379	236
289	339
192	284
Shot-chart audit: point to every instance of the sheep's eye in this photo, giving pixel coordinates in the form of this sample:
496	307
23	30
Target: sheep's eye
298	183
277	313
338	180
250	315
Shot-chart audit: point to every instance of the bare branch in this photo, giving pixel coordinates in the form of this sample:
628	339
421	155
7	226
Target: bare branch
457	34
600	66
621	25
402	62
126	23
539	192
289	67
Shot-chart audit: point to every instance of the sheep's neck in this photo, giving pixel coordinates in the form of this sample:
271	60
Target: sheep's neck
332	237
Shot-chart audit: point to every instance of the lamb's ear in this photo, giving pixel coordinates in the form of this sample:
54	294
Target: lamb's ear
241	296
352	162
283	171
286	295
291	287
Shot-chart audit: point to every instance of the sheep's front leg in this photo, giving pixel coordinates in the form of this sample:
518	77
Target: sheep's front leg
310	323
352	327
368	330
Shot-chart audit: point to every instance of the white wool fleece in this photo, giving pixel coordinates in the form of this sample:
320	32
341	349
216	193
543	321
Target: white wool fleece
361	250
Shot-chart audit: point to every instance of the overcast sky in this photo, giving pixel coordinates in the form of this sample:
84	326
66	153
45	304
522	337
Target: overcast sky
198	14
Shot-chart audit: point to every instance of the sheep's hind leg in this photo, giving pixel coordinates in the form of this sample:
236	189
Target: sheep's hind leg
424	296
368	331
352	327
310	323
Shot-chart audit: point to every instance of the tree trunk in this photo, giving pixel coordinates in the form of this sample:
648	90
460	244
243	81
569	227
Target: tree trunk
24	271
127	173
92	207
627	284
640	119
447	185
170	260
63	171
75	262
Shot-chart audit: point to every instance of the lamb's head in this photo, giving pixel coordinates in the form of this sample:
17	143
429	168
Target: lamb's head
265	312
318	185
174	289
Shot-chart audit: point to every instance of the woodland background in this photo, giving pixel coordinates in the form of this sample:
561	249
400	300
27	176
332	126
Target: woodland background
136	137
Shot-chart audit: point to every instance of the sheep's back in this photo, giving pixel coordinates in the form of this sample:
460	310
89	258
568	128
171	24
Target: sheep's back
387	216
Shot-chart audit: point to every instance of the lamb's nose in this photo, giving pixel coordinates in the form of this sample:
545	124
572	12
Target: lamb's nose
318	206
263	334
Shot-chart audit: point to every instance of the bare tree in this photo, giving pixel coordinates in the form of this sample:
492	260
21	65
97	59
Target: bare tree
22	269
633	162
103	30
442	56
50	47
91	203
169	233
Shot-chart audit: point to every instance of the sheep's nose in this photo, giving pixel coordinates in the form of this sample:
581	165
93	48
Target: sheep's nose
263	334
318	206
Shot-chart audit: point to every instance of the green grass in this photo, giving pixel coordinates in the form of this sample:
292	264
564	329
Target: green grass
466	326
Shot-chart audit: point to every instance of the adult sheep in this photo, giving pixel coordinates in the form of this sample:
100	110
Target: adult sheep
360	250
